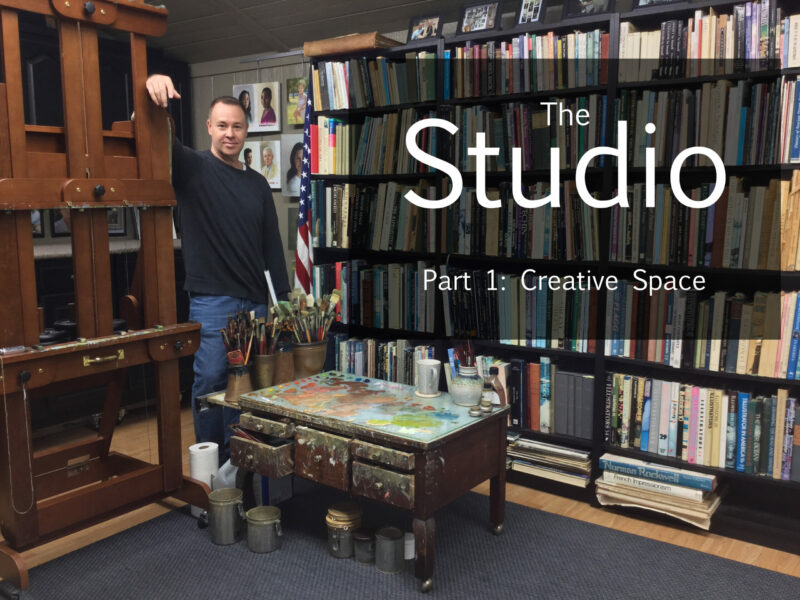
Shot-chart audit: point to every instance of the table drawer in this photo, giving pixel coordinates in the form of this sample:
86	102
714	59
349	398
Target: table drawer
383	485
283	428
322	457
402	461
262	458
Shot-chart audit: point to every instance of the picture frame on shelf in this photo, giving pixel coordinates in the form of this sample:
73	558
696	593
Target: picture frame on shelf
480	16
530	11
60	222
296	98
585	8
644	3
116	220
423	28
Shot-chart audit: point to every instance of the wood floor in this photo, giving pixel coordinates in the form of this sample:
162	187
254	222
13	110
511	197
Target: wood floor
136	436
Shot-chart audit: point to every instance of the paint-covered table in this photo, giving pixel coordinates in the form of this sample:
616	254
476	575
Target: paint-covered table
378	440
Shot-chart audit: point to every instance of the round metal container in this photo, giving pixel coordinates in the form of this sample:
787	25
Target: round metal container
342	520
225	515
264	529
364	544
389	550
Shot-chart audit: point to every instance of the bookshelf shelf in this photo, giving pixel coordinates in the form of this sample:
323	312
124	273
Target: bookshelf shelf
527	97
695	81
383	332
587	357
700	375
677	463
753	278
555	438
375	110
323	255
402	177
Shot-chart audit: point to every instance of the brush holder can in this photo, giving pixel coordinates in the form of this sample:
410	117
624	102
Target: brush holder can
263	371
284	364
238	383
309	359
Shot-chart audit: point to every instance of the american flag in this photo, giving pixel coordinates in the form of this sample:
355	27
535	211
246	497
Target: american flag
304	255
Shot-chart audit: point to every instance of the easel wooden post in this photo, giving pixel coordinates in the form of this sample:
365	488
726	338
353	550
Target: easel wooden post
46	494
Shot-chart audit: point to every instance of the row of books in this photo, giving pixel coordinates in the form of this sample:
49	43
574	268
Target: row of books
753	36
724	332
739	121
498	306
528	127
790	118
549	461
381	144
384	296
526	63
368	82
680	493
392	360
735	232
330	146
731	429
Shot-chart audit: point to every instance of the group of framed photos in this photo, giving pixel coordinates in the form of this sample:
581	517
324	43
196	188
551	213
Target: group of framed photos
278	160
485	16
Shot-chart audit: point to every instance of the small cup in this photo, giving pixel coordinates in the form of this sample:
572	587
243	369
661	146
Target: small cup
428	377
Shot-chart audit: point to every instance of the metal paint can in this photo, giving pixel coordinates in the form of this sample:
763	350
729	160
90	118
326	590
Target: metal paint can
389	550
225	515
342	520
264	529
364	543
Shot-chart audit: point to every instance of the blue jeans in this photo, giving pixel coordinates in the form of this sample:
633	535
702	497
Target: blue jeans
211	423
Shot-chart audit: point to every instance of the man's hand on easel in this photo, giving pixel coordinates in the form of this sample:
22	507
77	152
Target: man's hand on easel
161	90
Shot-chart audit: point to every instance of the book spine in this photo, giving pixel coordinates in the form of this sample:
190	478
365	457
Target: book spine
654	486
655	473
741	431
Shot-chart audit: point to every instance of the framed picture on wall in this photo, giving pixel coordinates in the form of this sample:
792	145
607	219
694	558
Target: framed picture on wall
530	11
296	99
270	152
482	16
421	28
37	223
116	220
292	160
251	155
59	222
246	93
582	8
266	107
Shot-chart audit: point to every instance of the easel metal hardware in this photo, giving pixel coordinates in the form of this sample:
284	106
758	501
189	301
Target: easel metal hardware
88	362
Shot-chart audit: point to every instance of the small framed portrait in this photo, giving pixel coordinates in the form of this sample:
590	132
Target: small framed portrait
59	222
421	28
37	223
530	11
116	220
270	152
583	8
251	155
483	16
292	159
641	3
296	100
266	107
245	93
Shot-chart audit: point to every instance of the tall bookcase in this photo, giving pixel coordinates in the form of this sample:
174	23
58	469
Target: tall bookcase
758	509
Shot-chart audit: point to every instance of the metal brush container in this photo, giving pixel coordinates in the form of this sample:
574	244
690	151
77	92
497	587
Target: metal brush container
342	520
264	529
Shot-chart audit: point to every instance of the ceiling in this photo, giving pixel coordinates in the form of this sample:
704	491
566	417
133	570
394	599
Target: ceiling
202	30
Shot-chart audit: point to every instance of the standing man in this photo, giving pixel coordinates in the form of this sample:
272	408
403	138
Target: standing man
230	237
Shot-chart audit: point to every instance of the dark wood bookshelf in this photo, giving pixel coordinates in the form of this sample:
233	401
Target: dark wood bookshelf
759	506
375	110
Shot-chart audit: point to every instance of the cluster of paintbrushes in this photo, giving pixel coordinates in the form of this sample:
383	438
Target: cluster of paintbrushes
238	337
309	320
464	354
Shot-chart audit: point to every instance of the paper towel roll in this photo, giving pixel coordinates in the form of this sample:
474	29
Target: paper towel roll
409	550
203	466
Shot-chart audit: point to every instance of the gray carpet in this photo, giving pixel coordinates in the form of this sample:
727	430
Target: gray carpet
539	555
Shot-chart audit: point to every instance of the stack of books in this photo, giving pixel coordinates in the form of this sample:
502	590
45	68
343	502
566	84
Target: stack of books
550	461
685	495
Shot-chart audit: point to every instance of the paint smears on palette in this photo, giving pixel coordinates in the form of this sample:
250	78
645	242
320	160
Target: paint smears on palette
391	408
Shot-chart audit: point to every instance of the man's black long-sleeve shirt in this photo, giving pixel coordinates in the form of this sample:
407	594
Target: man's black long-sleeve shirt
229	227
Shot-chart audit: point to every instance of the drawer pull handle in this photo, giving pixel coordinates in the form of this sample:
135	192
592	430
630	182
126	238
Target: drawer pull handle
318	458
379	485
88	362
259	426
248	458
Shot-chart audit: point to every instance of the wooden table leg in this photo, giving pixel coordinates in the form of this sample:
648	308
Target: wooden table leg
12	568
424	530
497	500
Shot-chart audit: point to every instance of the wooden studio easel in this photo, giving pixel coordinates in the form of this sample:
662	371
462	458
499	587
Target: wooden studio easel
48	493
